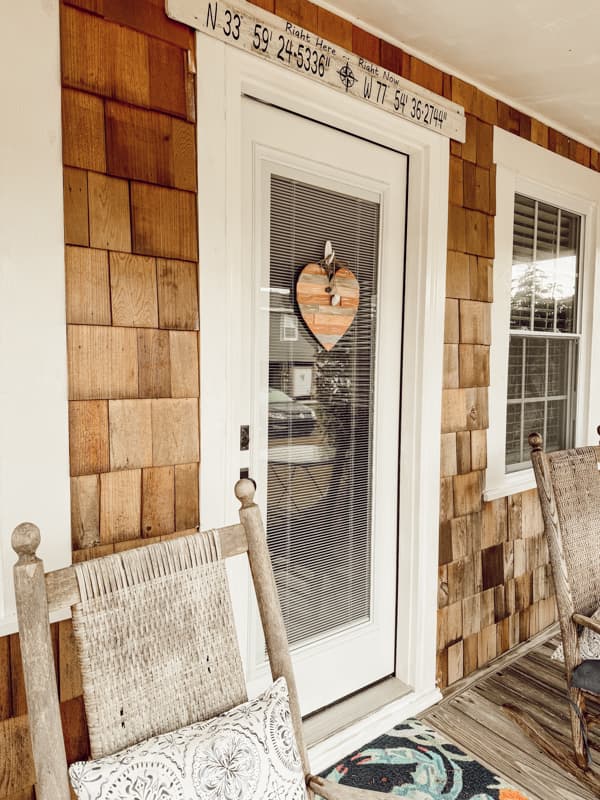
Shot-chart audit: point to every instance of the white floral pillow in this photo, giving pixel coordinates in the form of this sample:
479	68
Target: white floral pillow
248	753
589	644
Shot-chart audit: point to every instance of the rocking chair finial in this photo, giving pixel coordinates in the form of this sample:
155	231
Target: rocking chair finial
244	491
25	540
536	442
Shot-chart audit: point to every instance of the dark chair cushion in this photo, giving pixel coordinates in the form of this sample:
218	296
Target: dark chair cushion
587	676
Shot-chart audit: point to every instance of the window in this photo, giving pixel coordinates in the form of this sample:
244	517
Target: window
546	310
544	328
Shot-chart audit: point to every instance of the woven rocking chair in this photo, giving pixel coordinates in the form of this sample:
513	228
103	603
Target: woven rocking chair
568	483
177	589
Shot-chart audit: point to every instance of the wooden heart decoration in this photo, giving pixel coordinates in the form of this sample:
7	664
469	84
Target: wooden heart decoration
327	322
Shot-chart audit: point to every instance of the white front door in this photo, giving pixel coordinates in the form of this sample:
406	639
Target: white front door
324	424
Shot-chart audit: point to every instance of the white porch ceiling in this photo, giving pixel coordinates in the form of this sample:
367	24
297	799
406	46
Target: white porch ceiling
543	55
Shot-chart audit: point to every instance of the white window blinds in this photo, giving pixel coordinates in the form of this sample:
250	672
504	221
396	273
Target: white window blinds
320	416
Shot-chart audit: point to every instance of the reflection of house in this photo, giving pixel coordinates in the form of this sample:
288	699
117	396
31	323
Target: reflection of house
290	345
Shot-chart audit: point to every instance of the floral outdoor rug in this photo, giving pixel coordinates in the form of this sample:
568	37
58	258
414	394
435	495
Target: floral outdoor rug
416	762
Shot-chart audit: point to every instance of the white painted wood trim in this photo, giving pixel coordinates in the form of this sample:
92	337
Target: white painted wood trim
224	77
34	459
510	483
327	753
496	479
425	298
530	169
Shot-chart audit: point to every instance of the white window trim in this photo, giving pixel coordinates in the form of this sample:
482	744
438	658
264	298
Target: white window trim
224	76
34	456
526	168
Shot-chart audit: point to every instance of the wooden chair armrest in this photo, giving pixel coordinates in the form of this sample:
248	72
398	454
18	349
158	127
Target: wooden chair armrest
592	624
336	791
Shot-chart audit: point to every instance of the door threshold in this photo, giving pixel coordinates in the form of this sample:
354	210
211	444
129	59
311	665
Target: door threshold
335	718
343	728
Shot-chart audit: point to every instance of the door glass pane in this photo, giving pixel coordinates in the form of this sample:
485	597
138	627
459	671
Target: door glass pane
320	415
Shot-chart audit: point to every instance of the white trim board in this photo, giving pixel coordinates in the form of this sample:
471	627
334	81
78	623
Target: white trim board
285	44
531	170
34	458
225	76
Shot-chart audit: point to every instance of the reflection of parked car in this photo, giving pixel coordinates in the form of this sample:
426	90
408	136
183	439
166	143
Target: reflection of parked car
288	417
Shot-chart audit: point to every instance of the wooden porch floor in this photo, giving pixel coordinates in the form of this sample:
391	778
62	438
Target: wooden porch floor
471	716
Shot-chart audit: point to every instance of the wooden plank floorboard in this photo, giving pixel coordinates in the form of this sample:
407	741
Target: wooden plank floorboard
541	670
529	767
504	749
500	694
547	680
547	699
473	718
538	677
556	725
552	701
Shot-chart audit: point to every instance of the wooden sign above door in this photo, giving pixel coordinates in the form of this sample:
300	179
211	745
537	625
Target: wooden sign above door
328	307
274	39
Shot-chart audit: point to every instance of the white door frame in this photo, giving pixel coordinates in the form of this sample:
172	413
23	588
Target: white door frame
224	76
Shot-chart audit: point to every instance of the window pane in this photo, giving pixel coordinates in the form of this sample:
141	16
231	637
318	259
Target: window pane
513	433
556	433
558	363
541	401
533	422
523	267
566	272
524	228
535	367
545	267
515	367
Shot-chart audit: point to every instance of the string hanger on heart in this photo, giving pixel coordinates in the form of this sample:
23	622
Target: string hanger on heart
331	264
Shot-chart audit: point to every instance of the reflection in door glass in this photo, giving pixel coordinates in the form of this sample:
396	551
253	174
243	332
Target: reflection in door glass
320	416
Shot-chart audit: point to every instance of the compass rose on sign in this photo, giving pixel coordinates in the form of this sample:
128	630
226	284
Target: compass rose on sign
347	77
